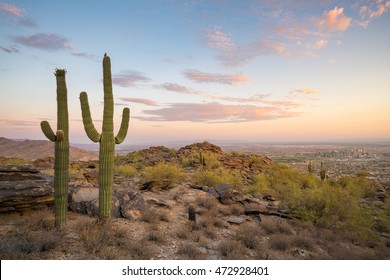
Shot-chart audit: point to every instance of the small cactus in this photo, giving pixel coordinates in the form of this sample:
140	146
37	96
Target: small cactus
106	139
61	150
191	214
310	168
322	172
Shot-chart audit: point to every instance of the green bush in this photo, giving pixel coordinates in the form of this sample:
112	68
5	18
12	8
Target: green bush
163	170
213	178
126	170
329	203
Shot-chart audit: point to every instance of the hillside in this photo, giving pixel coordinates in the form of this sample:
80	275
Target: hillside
246	207
37	149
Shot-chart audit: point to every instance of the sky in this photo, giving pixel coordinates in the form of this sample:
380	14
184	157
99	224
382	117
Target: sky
250	71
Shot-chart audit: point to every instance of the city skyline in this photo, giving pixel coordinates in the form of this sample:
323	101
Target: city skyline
253	71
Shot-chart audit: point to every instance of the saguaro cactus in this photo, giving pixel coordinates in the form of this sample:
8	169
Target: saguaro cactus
106	139
61	150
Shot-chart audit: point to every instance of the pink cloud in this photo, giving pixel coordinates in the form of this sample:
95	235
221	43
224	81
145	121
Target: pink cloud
10	9
177	88
203	77
129	78
215	113
374	9
45	41
17	122
139	100
218	40
334	20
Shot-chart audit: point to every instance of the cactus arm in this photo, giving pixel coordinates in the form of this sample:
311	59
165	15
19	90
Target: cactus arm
60	135
46	129
90	129
124	126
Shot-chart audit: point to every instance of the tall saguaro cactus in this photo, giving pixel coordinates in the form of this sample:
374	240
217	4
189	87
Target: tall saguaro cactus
61	150
106	139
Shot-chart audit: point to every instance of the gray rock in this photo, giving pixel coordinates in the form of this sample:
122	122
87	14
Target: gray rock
237	220
23	188
223	190
84	200
133	209
212	192
255	209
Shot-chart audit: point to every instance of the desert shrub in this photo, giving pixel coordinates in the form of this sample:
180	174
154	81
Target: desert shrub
126	170
163	170
12	161
185	162
213	178
279	242
189	251
150	217
210	232
328	204
140	250
155	236
249	235
183	232
211	160
304	242
210	203
227	246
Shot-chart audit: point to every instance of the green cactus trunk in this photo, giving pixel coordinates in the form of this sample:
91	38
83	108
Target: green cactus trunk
61	150
106	139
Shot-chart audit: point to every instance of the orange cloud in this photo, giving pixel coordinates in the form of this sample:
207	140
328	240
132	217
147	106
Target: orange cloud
321	43
334	20
203	77
304	90
215	113
139	100
19	122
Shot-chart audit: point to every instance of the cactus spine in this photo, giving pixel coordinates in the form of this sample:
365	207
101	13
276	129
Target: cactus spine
61	150
106	139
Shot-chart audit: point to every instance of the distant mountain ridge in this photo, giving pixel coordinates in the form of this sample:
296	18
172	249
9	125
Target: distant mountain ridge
36	149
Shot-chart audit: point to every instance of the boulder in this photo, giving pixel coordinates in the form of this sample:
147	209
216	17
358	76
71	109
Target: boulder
237	220
156	185
224	193
84	200
24	187
255	209
133	208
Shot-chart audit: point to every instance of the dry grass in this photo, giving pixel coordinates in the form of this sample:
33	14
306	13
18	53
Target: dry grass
280	242
189	251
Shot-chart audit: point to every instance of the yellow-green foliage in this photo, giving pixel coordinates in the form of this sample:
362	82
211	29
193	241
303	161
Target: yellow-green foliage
332	204
126	170
12	161
163	170
212	178
211	160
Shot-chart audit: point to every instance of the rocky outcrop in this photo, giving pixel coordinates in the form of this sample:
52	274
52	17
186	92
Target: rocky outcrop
23	188
197	148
